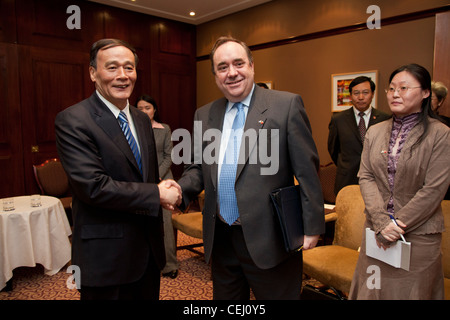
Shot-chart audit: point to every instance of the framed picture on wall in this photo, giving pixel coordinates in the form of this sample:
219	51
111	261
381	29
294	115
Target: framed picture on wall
340	95
265	84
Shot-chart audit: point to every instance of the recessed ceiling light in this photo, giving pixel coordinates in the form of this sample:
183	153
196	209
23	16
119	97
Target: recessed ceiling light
192	13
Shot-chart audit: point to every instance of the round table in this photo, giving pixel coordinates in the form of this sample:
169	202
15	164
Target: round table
31	235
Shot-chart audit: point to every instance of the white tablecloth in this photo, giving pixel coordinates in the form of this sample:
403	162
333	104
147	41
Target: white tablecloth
33	235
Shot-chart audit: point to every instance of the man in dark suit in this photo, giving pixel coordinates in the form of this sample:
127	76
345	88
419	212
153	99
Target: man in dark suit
345	142
117	238
247	251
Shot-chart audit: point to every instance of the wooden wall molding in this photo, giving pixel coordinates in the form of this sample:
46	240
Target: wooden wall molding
346	29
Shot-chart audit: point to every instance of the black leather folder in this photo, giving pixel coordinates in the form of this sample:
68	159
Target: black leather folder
288	207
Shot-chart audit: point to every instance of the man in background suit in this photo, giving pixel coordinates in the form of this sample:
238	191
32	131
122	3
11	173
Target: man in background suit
117	238
345	142
248	252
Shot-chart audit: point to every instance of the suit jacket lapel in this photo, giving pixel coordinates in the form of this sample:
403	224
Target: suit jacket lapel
106	120
254	122
351	123
405	154
215	121
384	150
373	117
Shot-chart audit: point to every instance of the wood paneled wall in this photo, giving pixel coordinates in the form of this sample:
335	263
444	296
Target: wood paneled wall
441	56
44	69
298	45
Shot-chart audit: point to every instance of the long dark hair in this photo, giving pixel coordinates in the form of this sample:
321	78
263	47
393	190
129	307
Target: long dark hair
423	77
152	101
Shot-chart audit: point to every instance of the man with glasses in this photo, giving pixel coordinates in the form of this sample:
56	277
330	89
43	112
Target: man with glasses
347	130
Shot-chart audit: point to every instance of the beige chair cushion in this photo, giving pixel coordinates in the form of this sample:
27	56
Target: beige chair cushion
331	265
189	223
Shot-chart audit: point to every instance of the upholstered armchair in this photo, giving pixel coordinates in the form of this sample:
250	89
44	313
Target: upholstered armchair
334	265
190	223
327	176
52	181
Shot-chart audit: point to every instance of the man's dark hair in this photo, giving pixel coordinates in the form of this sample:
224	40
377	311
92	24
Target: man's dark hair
223	40
104	44
359	80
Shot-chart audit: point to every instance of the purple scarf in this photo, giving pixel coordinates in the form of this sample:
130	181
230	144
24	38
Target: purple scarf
400	130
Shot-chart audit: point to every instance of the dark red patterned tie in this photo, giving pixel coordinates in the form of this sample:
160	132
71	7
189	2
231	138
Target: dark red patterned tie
362	126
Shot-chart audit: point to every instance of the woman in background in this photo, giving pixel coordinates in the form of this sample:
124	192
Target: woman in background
405	173
438	94
164	148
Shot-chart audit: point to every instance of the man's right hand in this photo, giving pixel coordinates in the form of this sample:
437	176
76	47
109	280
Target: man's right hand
169	194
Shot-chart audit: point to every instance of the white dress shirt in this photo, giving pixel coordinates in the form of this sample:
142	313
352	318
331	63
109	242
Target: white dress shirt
116	112
366	115
228	120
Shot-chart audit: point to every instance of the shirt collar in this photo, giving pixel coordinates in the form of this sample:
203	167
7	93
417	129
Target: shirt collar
113	108
246	101
366	113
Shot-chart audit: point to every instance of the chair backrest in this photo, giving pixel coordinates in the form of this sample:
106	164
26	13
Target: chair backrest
327	176
51	178
446	239
350	217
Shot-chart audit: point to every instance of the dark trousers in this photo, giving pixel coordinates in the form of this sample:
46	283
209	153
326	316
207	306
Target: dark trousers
146	288
234	272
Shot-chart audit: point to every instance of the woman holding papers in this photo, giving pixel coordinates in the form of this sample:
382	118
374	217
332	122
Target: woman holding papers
404	173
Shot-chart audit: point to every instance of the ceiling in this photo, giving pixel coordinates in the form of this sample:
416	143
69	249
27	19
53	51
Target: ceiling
206	10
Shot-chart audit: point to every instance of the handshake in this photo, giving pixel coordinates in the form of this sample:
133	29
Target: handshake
169	194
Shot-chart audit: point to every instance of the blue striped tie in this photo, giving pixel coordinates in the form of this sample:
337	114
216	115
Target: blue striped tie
227	194
123	121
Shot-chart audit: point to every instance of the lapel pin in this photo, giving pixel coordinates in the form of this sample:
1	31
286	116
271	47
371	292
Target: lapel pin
384	151
261	122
